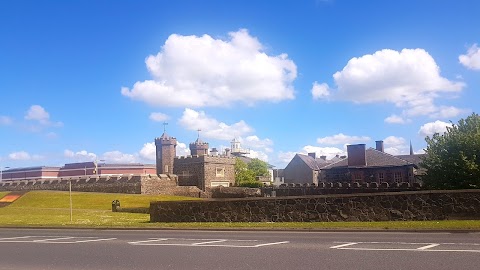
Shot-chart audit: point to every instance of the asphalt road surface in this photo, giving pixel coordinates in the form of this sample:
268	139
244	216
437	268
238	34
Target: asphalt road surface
179	249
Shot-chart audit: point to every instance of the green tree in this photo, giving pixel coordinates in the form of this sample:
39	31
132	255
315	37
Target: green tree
242	173
453	158
259	168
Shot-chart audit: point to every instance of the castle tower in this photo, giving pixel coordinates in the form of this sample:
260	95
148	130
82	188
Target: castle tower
199	148
166	152
236	148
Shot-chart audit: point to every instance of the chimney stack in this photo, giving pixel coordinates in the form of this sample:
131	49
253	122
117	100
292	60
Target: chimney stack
312	154
357	155
324	157
379	146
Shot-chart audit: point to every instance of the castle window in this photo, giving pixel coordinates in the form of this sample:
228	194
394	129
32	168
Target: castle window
166	169
220	172
397	177
381	177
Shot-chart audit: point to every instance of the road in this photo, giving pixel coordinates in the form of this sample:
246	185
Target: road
185	249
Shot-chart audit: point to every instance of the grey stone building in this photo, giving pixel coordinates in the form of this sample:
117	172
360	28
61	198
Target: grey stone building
199	169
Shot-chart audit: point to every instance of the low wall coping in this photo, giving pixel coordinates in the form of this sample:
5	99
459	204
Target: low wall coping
376	194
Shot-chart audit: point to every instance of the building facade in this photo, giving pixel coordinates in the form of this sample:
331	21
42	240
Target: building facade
199	169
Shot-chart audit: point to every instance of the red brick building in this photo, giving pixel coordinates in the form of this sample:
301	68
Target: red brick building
78	169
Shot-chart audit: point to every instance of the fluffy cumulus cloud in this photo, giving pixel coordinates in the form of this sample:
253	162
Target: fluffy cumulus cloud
342	139
320	91
434	127
80	156
199	71
39	115
329	152
23	156
147	153
119	157
254	141
212	128
396	145
158	117
258	154
395	119
410	79
471	60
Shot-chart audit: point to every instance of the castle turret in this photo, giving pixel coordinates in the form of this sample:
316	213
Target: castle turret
199	148
166	151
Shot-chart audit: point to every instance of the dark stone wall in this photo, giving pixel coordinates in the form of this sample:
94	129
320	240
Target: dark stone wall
412	205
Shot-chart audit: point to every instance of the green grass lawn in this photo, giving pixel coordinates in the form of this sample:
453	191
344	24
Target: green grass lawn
93	210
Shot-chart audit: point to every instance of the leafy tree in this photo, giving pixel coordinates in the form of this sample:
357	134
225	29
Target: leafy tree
453	158
242	173
259	167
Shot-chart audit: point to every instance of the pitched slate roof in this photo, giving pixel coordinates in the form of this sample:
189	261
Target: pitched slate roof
374	158
313	163
415	159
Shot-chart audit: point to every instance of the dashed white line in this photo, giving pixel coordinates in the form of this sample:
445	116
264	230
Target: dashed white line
344	245
209	242
271	244
428	246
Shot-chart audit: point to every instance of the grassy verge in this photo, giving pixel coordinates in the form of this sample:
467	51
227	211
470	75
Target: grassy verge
93	210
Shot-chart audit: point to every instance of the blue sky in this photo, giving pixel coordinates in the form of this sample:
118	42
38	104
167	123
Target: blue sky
85	80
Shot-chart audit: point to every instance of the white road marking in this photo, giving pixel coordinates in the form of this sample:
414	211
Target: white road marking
428	246
344	245
209	242
271	244
52	239
204	242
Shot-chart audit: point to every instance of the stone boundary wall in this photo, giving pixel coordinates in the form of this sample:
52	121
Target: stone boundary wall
132	184
411	205
337	188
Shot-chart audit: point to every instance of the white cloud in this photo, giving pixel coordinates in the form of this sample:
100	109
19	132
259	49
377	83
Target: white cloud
158	117
342	139
5	120
471	60
192	71
212	128
434	127
119	157
320	91
329	152
254	141
80	156
285	157
148	151
182	149
23	155
39	114
258	154
396	145
410	79
395	119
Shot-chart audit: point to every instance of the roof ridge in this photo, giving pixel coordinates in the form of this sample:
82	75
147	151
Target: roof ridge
387	154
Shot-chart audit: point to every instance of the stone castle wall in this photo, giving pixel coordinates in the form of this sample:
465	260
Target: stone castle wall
132	184
201	170
412	205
